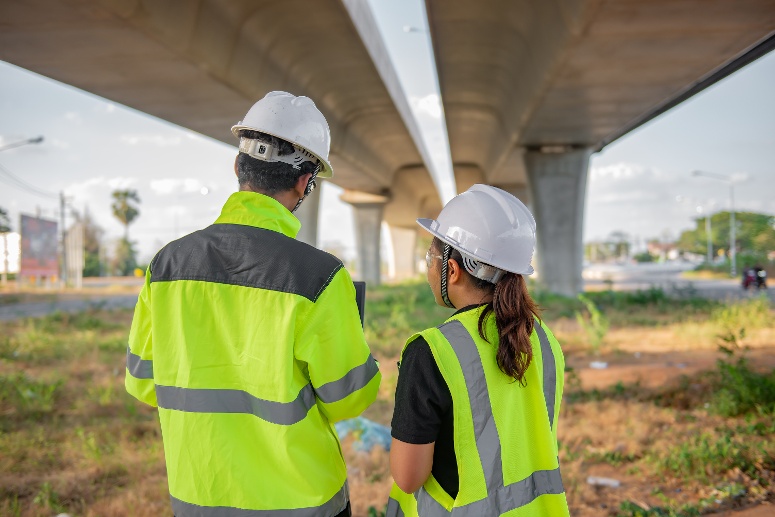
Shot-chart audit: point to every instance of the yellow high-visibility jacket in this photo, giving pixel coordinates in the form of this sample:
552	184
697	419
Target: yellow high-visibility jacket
505	434
250	344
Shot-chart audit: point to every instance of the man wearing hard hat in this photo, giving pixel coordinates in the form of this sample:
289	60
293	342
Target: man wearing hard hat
250	343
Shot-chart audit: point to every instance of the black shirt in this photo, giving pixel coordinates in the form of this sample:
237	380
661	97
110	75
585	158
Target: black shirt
423	411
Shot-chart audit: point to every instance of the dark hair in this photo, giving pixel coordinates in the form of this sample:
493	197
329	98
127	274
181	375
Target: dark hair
269	177
515	312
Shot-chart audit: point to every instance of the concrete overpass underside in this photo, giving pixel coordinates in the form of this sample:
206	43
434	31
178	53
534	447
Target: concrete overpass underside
530	88
202	64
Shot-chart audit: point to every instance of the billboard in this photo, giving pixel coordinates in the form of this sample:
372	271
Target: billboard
39	247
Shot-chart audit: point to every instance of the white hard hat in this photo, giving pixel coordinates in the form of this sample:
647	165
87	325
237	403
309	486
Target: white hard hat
294	119
488	225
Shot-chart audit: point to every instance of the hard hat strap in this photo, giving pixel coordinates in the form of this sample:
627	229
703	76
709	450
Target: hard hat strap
268	153
444	261
311	184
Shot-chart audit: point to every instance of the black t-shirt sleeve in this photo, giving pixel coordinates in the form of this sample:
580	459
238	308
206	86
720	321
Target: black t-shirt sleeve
422	396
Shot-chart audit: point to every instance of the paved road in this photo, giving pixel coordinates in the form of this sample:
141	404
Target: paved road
37	309
664	276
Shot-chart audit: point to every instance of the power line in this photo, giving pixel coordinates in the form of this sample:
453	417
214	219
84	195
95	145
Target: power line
19	183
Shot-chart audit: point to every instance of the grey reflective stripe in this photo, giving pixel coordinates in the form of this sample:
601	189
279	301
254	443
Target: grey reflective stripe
195	400
505	499
393	509
500	499
138	368
487	442
550	371
332	507
353	380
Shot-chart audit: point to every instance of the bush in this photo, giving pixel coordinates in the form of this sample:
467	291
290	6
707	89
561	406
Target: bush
743	390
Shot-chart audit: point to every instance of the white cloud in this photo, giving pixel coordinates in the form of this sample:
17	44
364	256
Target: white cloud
74	116
158	140
167	186
59	144
429	105
121	182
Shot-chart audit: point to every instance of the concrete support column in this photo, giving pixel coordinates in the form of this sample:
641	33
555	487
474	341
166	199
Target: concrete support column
367	212
404	241
308	215
558	184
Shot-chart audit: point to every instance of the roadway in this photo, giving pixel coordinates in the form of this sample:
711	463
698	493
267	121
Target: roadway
665	276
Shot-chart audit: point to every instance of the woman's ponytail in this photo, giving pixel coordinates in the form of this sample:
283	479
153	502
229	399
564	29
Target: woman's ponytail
515	313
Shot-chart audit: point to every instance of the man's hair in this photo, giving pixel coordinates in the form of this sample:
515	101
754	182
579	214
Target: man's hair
269	177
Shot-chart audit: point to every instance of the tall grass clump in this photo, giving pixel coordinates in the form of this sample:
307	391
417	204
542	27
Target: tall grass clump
594	323
704	456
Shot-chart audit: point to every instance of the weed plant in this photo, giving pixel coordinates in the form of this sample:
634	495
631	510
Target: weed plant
595	324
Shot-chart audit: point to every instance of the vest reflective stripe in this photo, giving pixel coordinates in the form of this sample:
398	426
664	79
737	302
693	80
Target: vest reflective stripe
138	368
550	372
353	380
504	499
393	509
487	442
193	400
500	499
332	507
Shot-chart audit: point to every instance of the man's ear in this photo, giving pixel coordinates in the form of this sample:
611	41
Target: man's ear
236	172
301	184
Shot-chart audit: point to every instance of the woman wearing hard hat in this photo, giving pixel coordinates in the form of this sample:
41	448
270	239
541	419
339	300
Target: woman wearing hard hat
478	398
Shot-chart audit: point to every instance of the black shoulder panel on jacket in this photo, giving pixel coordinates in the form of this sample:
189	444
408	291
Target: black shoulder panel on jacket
247	256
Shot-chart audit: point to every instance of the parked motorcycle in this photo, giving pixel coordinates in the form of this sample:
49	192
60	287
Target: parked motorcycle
754	277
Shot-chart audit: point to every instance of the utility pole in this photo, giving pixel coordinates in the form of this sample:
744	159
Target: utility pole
64	250
732	230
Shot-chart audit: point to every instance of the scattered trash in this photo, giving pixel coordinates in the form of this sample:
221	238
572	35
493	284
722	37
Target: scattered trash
598	481
598	365
637	355
680	365
367	434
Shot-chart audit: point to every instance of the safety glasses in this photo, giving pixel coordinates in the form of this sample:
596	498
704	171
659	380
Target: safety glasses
429	257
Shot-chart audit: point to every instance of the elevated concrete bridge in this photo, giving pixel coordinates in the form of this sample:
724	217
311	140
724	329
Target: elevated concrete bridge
530	88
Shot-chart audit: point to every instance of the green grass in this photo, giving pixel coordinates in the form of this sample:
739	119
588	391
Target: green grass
710	455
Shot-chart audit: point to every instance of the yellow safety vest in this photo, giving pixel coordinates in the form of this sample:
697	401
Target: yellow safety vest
250	344
505	434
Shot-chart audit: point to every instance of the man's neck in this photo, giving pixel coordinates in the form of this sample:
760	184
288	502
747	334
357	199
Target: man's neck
287	198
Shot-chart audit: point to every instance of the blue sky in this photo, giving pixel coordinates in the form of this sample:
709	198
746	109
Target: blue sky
93	146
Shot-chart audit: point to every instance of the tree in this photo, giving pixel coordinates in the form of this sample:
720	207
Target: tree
5	221
92	242
755	234
125	260
125	208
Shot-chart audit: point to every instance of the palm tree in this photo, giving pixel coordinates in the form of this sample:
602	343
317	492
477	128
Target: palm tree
124	209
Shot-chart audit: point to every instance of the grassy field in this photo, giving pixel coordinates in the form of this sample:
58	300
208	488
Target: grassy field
684	427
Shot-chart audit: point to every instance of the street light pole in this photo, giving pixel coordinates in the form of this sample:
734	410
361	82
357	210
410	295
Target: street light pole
732	229
36	140
732	232
709	243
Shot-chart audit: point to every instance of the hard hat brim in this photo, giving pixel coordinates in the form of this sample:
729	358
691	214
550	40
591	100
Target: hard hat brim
325	172
427	225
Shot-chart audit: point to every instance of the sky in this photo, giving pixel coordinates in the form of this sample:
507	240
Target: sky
641	184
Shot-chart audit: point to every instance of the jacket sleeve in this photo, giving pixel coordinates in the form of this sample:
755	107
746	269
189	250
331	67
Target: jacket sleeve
139	353
330	341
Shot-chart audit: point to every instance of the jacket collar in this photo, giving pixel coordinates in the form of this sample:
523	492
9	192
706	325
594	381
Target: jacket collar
260	211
